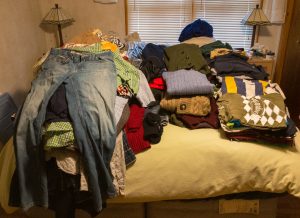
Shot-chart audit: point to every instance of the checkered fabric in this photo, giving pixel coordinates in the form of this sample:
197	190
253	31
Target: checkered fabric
262	112
58	135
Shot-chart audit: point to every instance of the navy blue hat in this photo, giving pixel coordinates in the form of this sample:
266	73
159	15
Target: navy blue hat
197	28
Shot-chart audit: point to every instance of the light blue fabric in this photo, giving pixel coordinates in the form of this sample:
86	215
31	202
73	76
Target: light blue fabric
135	50
90	81
187	82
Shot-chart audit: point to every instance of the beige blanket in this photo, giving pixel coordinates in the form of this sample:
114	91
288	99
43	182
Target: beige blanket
201	163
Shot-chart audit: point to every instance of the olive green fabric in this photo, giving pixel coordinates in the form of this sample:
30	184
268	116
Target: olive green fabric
185	56
174	120
261	112
206	49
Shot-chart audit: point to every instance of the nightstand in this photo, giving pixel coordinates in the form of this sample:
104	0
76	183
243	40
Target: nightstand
267	64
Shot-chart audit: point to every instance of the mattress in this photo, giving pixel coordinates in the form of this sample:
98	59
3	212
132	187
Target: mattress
197	164
202	163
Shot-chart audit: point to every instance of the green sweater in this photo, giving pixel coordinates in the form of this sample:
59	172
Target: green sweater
185	56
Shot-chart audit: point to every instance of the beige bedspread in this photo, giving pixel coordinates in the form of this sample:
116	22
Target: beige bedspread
189	164
202	163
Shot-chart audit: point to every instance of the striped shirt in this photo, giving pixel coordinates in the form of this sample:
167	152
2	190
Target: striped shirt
248	88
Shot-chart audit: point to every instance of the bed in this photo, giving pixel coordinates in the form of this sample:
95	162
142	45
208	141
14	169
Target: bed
193	170
201	164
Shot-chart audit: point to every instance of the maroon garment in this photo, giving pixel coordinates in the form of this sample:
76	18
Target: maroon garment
209	121
279	137
259	136
134	129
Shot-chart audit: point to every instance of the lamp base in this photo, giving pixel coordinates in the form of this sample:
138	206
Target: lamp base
253	35
61	42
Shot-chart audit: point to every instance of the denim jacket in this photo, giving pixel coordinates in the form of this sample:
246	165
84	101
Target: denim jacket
90	81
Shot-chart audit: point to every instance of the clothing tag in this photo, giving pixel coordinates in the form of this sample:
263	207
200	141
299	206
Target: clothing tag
239	206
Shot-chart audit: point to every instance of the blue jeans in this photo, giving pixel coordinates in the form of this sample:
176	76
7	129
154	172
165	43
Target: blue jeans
90	81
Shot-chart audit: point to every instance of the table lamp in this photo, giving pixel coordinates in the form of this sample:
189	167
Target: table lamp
255	18
57	16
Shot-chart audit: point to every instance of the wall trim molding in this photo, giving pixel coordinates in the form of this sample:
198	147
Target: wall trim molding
283	42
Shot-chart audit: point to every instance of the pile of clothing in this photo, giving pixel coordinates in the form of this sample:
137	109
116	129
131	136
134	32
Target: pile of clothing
250	106
188	96
83	121
254	110
178	77
209	84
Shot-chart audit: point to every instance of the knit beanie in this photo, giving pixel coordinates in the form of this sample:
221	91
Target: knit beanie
152	128
195	29
134	129
198	105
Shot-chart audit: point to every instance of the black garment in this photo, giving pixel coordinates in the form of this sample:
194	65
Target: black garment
154	107
158	94
8	109
57	108
64	193
152	128
291	128
233	64
151	50
153	64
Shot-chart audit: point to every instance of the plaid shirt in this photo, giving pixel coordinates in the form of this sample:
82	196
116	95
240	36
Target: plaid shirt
129	155
58	135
